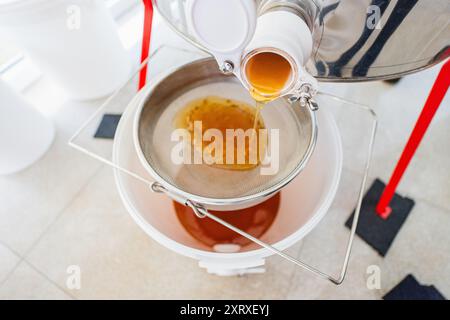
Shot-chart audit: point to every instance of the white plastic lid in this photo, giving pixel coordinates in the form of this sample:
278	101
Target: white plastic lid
223	27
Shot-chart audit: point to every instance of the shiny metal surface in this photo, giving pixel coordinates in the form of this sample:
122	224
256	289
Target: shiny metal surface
358	40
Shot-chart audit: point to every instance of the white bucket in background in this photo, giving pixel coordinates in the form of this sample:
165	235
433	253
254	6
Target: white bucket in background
306	201
75	42
25	134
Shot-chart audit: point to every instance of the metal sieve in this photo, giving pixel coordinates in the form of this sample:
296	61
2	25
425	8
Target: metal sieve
207	186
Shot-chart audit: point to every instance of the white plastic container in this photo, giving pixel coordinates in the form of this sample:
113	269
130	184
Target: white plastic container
25	134
76	42
305	201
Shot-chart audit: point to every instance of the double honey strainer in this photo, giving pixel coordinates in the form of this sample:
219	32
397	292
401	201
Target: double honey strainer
207	186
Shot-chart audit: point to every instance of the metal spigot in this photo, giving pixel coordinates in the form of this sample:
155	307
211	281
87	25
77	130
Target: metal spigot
227	67
304	97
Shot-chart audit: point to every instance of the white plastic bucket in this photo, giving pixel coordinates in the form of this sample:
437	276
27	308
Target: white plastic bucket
310	196
75	42
25	134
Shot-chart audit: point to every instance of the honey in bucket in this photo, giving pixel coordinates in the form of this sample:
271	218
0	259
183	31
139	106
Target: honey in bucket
255	220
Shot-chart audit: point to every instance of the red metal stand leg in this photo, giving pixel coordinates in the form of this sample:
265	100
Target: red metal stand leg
146	36
432	104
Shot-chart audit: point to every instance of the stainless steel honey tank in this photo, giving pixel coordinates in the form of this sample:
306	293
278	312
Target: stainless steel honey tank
357	40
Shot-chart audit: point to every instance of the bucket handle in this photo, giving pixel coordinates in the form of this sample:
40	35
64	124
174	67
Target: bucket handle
201	212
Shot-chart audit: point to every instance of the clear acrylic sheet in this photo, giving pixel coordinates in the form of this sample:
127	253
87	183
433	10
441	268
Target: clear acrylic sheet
357	149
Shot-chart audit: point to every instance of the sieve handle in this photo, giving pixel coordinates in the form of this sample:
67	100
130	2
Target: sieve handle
201	212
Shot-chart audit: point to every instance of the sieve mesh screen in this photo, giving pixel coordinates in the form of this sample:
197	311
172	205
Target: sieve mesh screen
156	124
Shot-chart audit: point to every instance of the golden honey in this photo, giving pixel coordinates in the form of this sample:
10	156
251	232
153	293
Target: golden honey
267	73
223	114
255	221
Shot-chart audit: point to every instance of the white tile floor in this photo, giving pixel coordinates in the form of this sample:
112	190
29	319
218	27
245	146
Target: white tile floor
65	211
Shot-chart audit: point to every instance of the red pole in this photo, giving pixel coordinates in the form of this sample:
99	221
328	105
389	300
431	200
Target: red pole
146	36
432	104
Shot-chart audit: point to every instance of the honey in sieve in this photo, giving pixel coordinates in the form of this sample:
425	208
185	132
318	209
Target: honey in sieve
222	114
